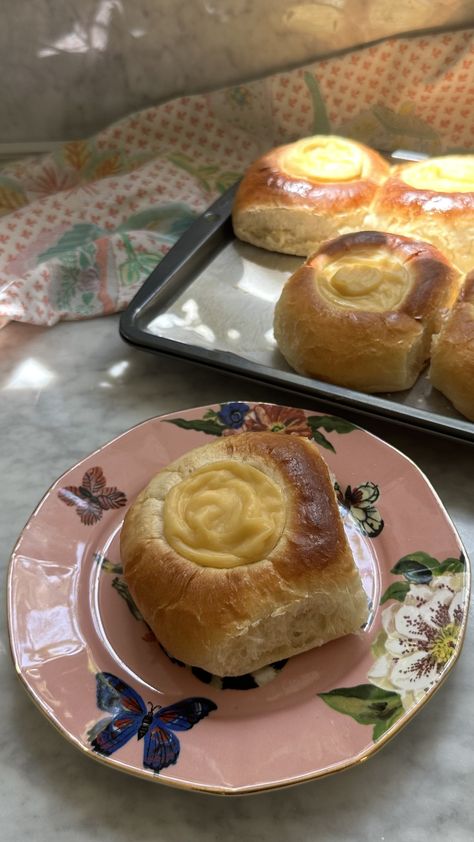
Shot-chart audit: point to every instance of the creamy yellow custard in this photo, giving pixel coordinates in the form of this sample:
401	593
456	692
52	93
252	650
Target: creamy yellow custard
323	159
369	280
452	174
224	515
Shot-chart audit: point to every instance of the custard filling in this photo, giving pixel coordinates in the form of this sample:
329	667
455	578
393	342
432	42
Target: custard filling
452	174
224	515
323	159
368	280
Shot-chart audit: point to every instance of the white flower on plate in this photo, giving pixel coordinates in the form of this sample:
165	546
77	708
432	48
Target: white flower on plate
419	637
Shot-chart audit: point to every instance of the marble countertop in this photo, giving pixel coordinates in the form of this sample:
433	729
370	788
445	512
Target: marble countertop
65	391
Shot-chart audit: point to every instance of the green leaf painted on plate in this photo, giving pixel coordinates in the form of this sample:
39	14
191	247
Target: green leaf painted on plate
419	556
378	646
122	589
210	414
381	727
106	565
320	439
200	424
417	567
397	590
450	565
331	423
367	705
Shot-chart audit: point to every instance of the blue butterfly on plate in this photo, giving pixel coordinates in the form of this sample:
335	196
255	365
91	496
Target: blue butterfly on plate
130	717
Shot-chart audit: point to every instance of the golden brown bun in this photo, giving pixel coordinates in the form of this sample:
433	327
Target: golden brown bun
361	311
289	201
452	353
422	210
233	620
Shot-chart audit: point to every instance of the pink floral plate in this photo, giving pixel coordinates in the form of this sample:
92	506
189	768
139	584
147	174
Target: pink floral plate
94	668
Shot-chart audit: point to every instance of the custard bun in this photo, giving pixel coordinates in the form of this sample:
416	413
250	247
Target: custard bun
432	200
361	311
452	353
296	196
236	554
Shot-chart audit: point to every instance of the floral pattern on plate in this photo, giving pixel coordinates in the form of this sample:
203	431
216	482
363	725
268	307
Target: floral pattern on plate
238	417
420	632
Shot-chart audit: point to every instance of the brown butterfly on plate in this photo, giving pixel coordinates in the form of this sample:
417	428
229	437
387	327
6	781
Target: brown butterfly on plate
92	497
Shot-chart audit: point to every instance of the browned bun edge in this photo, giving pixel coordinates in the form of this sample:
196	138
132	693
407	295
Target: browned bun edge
452	353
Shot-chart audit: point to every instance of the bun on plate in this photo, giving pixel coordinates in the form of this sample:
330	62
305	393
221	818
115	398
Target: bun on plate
452	353
362	310
237	557
432	200
296	196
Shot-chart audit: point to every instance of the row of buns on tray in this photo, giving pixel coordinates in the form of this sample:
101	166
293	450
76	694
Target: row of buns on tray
236	552
388	280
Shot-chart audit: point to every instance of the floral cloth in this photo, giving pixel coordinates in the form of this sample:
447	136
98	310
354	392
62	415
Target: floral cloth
82	227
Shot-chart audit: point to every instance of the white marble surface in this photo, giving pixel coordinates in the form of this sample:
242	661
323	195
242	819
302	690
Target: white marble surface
63	392
72	68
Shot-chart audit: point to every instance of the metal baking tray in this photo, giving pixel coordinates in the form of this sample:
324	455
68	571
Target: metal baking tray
211	300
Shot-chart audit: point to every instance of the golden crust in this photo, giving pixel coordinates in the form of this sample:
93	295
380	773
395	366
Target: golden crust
232	621
445	219
369	350
417	201
280	211
452	355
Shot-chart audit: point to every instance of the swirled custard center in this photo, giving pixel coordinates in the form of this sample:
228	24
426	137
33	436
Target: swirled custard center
453	174
224	514
369	280
323	159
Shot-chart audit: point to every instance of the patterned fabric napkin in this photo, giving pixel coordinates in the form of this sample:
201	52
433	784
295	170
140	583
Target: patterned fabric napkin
82	228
